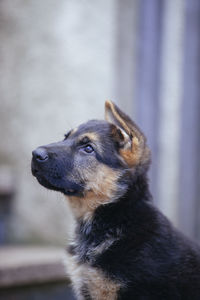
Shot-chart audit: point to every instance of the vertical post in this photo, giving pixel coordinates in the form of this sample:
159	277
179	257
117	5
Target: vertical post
147	77
170	103
189	143
126	43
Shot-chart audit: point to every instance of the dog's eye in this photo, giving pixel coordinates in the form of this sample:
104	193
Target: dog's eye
88	149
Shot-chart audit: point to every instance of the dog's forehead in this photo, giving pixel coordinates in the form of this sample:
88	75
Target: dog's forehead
96	128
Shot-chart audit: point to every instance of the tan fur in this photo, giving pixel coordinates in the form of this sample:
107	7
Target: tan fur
91	135
135	151
111	114
132	155
73	131
114	115
99	286
100	189
137	155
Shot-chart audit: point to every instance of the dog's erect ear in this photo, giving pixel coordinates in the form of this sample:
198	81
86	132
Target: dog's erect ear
132	141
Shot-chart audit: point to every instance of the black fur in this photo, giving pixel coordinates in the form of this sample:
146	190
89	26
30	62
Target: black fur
85	293
150	257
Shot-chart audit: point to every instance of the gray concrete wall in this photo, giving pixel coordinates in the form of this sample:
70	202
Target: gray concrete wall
56	70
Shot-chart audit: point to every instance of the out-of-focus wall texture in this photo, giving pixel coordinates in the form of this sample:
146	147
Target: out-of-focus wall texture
56	70
166	98
59	61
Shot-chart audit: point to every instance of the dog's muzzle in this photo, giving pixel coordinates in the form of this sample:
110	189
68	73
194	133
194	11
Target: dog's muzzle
39	156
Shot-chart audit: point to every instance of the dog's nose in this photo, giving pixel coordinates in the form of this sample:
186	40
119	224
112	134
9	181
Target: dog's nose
40	154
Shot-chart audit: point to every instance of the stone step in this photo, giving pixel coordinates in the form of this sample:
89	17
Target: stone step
33	273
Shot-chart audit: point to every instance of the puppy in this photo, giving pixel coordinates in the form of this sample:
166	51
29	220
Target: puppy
123	247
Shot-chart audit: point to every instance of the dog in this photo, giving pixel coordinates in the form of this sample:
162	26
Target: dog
123	247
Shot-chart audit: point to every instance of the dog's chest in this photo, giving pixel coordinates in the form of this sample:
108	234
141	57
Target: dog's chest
89	282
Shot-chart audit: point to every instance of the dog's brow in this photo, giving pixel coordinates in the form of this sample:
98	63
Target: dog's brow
84	140
91	136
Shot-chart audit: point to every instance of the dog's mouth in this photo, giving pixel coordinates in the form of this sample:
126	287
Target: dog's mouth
55	184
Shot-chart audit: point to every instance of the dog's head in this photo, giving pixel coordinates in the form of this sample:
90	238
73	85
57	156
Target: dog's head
93	163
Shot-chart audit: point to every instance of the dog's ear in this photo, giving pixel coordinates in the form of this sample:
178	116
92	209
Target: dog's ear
133	147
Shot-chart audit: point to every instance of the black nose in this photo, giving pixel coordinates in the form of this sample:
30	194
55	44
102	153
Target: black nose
40	154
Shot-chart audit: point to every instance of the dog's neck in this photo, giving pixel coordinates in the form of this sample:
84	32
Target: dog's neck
110	222
105	211
110	189
137	192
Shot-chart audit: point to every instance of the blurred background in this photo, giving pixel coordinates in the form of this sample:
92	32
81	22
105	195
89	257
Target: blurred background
59	62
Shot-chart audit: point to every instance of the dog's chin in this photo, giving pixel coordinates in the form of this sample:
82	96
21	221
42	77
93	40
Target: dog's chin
68	191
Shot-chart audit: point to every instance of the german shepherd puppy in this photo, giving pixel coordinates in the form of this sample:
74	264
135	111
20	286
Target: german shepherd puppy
123	247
